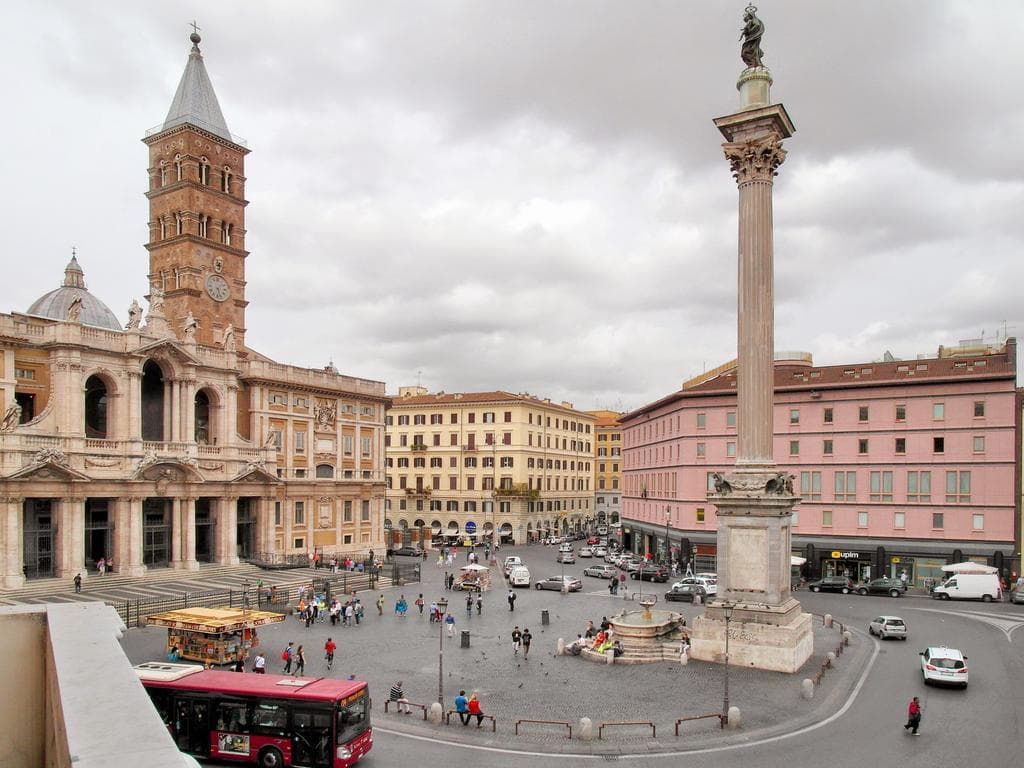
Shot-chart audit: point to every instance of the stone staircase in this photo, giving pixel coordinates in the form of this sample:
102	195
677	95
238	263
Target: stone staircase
638	651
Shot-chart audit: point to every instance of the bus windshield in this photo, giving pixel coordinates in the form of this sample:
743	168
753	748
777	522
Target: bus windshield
353	716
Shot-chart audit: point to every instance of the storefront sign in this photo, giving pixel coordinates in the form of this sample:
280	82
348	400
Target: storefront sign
470	526
837	555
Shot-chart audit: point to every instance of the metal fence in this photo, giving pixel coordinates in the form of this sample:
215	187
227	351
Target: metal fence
280	597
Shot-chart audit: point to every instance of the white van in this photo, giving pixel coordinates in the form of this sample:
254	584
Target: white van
519	576
969	586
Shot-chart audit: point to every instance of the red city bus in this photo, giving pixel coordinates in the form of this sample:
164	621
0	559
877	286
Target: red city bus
270	720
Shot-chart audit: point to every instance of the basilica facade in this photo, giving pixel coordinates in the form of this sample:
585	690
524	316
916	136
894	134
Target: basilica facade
166	440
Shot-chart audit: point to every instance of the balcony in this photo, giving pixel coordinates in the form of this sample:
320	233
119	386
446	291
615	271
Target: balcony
424	491
470	447
417	447
520	490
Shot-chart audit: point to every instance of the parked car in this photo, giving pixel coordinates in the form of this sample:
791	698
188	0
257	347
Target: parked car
650	573
592	540
565	557
601	571
1017	597
969	586
556	582
884	586
519	576
944	665
407	552
710	585
832	584
628	564
600	551
586	552
888	626
511	562
686	592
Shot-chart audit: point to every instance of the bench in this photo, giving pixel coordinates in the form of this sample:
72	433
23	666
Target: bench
600	734
421	707
566	723
721	719
450	712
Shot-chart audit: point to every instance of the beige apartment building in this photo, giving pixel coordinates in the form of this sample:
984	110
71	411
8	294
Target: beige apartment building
607	467
168	441
481	465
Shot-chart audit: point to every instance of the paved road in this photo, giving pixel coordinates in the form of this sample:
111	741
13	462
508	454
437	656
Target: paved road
960	727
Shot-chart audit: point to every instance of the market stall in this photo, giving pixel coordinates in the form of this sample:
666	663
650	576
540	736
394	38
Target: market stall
473	576
213	635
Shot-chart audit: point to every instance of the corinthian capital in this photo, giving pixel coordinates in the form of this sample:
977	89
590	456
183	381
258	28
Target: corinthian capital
754	160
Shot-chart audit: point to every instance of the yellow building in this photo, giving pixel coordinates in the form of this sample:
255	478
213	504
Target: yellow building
607	466
465	465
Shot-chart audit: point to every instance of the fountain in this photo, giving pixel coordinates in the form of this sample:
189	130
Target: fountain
647	636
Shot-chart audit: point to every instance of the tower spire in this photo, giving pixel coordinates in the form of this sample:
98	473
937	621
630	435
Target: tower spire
195	101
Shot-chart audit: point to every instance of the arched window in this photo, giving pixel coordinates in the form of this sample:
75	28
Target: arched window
225	180
324	471
204	171
96	408
177	168
152	402
163	228
179	224
202	418
163	173
204	223
225	233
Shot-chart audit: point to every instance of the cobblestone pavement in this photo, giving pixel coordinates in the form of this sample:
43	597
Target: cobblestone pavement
388	648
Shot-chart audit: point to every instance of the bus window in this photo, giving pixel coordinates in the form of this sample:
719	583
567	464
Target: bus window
233	716
270	718
353	717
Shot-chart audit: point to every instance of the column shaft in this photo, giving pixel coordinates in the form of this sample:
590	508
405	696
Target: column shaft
12	544
188	535
176	515
227	530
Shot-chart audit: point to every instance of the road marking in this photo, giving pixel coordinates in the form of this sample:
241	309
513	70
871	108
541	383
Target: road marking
1000	622
677	753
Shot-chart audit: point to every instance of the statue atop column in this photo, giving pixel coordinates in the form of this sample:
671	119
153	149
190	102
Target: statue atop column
753	30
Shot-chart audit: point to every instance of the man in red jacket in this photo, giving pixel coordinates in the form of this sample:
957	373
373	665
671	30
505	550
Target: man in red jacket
913	716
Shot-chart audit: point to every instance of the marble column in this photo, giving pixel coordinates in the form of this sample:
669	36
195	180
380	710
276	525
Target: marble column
71	530
12	543
227	530
188	534
129	537
176	543
134	402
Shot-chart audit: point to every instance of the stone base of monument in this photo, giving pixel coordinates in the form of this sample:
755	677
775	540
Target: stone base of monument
775	638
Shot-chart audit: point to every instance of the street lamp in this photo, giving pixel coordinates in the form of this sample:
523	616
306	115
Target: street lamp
668	549
442	606
727	608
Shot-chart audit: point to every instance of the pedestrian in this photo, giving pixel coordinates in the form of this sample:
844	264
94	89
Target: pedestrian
173	655
449	624
286	657
259	664
329	648
473	706
451	581
613	586
239	664
913	716
397	695
527	639
419	603
590	631
401	607
517	638
511	600
462	707
479	603
469	605
350	615
78	583
358	608
101	565
300	662
904	578
380	605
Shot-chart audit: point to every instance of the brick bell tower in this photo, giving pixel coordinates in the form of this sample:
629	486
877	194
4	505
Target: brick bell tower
197	211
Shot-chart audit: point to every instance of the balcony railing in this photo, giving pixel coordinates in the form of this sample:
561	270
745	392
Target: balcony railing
521	490
417	447
470	447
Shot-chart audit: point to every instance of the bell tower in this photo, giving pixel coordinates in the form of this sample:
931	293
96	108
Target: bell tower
197	211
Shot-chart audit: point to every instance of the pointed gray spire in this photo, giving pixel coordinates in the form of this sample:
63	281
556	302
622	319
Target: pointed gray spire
195	102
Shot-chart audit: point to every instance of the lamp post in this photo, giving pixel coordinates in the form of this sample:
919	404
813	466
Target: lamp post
727	608
442	606
668	549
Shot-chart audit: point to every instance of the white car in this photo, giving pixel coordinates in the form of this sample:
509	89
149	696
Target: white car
586	552
600	551
567	547
511	562
888	626
944	665
710	585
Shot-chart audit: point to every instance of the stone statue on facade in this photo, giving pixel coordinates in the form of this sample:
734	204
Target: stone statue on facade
75	310
12	418
229	339
156	301
753	30
189	326
134	315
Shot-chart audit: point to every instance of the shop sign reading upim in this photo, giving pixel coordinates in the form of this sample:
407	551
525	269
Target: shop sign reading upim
837	555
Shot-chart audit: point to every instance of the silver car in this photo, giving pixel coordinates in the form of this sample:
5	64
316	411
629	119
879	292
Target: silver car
558	582
888	626
601	571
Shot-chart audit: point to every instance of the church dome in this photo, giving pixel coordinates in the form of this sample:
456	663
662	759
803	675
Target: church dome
56	303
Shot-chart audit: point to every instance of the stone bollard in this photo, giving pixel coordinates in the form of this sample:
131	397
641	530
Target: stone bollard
807	688
734	720
609	656
830	657
828	619
847	637
586	731
435	714
561	646
697	600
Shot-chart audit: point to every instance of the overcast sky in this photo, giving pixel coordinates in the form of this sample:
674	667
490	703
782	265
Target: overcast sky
530	195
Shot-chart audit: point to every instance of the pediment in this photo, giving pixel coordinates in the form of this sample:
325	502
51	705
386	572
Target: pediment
168	348
48	470
255	472
167	469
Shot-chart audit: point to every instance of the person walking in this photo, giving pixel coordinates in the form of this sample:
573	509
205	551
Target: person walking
451	581
526	639
913	716
469	605
397	695
449	624
479	603
517	639
462	707
511	600
380	605
300	662
286	657
419	603
329	648
474	709
78	583
259	664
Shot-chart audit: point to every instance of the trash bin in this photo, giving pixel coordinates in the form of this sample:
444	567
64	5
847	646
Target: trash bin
465	638
544	619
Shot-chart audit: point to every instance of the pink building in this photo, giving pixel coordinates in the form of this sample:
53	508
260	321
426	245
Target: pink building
901	465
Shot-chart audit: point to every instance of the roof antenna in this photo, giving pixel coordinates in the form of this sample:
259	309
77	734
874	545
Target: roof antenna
419	378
